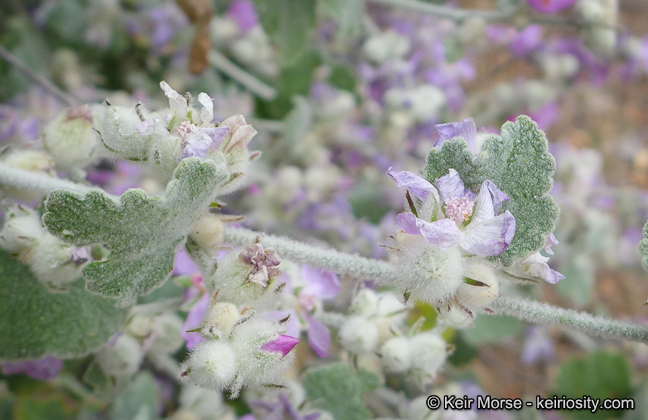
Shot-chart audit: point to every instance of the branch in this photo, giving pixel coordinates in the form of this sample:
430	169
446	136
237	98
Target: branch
54	90
543	313
20	178
448	12
341	263
253	84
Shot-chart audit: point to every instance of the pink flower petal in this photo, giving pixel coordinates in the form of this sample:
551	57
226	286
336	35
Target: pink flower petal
321	283
419	186
319	336
283	344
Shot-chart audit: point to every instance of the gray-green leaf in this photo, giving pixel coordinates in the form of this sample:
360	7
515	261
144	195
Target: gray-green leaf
643	247
35	322
520	164
338	390
142	232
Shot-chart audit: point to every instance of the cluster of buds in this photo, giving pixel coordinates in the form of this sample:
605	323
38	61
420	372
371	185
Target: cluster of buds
374	317
240	350
601	18
51	260
164	138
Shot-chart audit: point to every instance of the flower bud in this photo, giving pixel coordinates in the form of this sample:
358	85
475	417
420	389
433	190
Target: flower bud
220	320
120	135
365	303
428	272
121	358
234	146
388	45
30	160
21	229
207	231
359	335
167	329
212	364
428	352
480	287
265	354
71	139
472	31
395	355
590	11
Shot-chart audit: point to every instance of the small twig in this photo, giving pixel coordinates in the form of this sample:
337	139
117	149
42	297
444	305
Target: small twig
54	90
253	84
23	179
448	12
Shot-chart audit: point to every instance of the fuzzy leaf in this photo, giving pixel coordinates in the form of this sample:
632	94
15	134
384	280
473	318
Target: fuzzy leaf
142	232
138	401
520	164
35	322
337	389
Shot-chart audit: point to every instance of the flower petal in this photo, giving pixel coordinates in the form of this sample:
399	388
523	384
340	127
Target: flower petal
491	236
321	283
282	344
497	196
207	111
407	222
177	102
535	267
451	186
319	336
551	241
46	368
292	326
465	129
419	186
443	233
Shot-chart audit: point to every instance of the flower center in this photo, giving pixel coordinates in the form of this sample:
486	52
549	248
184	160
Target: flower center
459	209
185	128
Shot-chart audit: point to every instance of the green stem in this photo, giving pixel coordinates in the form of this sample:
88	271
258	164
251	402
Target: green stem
22	179
253	84
448	12
543	313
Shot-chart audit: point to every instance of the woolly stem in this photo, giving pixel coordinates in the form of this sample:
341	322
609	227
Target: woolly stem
447	12
22	179
543	313
341	263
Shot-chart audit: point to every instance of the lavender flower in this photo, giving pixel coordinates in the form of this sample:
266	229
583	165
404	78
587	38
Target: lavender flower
265	263
46	368
468	220
283	344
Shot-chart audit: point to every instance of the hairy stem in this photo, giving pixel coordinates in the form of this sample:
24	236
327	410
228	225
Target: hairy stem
20	178
447	12
543	313
340	262
253	84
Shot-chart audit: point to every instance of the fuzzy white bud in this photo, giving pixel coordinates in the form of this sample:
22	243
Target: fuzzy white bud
395	355
211	365
220	320
428	352
122	358
386	46
359	335
208	232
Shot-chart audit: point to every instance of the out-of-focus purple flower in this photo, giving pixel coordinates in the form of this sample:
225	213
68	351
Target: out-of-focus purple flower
184	265
244	14
551	6
167	21
538	345
527	41
546	116
194	318
46	368
466	129
282	410
283	344
487	234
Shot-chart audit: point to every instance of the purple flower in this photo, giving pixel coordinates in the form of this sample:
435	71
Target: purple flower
197	141
551	6
466	129
471	221
46	368
283	410
283	344
194	319
535	267
245	15
527	41
537	346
